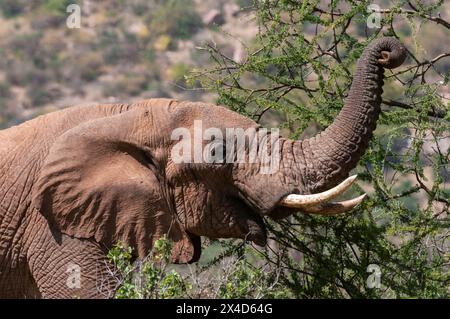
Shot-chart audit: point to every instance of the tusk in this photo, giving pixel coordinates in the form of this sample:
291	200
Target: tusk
300	201
335	208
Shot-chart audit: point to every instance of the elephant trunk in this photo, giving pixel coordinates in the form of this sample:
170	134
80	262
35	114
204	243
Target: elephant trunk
311	169
330	155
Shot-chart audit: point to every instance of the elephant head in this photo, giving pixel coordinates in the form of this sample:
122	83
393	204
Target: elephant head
115	177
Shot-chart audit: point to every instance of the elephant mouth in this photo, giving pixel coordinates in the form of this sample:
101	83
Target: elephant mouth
285	205
256	229
252	222
318	203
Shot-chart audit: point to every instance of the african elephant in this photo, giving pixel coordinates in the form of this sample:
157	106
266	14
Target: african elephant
74	182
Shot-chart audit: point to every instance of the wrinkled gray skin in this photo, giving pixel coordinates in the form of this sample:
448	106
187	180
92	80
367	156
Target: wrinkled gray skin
74	182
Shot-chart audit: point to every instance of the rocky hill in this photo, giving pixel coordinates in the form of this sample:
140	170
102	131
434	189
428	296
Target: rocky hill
123	50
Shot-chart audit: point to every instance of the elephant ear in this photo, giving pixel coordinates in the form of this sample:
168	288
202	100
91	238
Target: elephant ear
97	183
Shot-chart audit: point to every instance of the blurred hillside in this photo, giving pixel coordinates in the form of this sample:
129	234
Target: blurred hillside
132	50
124	50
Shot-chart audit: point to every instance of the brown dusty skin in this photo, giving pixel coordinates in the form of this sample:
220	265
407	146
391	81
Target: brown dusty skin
74	182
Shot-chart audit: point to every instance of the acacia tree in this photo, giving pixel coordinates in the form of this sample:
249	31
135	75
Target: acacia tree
296	75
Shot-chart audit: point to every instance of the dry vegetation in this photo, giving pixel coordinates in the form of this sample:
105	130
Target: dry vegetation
124	51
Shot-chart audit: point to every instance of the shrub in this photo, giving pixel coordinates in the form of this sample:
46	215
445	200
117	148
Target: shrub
244	3
176	18
90	65
148	278
39	95
176	74
130	84
154	278
12	8
57	7
5	89
119	47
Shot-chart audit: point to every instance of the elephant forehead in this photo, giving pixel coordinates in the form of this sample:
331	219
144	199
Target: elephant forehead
185	113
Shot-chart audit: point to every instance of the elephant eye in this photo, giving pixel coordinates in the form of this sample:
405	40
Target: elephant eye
147	160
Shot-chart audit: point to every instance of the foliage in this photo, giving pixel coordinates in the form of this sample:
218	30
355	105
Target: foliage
244	3
149	278
236	277
246	279
11	8
176	18
297	74
57	7
118	53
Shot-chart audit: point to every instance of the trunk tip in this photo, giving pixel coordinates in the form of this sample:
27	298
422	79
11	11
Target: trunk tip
391	52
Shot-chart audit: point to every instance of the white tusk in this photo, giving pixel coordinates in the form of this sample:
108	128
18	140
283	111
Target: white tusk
335	208
301	201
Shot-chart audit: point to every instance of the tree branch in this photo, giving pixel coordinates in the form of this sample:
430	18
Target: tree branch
438	20
438	114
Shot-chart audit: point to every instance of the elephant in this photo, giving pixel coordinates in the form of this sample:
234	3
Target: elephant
76	181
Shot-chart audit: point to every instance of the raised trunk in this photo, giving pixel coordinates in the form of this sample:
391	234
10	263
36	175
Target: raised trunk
332	154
